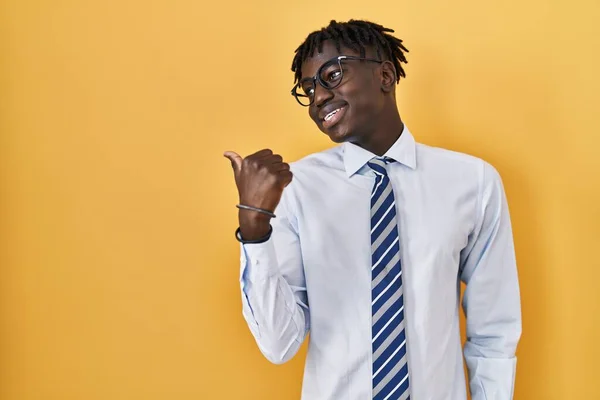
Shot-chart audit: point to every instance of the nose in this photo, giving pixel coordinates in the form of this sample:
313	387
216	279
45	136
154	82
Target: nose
322	95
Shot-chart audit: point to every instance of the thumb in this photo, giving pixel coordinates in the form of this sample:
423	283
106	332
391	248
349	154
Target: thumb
236	160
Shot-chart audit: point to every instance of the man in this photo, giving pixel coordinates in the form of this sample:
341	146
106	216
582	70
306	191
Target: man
365	244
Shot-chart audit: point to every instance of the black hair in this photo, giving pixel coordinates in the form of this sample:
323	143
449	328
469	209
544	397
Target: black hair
356	35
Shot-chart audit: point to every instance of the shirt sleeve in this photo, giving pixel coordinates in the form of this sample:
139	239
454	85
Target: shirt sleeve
274	296
491	300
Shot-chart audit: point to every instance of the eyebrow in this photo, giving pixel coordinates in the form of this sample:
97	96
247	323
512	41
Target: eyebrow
321	66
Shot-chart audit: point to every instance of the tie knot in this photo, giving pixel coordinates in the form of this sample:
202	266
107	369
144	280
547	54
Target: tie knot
377	164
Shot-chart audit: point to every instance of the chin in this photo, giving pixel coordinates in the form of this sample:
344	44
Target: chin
339	134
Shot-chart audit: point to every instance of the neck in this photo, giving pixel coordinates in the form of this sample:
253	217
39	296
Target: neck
384	136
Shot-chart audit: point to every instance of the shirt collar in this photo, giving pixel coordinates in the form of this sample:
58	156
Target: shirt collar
403	151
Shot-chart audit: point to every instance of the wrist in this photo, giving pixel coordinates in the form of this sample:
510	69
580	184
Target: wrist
256	209
254	225
261	239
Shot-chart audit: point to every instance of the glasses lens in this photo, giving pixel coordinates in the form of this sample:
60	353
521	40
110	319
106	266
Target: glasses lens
304	92
331	74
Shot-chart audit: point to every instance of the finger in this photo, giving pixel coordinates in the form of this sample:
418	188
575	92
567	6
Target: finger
281	167
261	154
236	160
274	159
286	177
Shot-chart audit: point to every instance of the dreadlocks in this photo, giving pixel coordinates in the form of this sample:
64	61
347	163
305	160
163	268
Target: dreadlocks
356	35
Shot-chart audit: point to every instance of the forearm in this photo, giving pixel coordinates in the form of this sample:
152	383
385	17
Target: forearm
491	345
491	378
273	309
492	337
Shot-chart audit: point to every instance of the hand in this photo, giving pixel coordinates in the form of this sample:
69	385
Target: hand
260	179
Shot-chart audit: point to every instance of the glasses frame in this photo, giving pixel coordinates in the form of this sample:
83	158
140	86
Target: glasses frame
317	78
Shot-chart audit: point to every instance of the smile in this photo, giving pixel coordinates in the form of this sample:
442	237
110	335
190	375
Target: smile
331	114
334	117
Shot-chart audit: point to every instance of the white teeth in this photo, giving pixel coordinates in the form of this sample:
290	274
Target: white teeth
331	114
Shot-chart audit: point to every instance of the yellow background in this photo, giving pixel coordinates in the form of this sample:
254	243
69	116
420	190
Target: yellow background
118	265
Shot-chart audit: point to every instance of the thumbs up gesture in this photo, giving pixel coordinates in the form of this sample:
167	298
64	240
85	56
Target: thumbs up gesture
260	179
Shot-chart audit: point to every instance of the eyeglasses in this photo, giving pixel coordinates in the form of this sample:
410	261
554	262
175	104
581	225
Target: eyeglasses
329	76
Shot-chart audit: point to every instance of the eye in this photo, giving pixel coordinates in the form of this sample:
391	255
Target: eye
308	90
334	75
331	75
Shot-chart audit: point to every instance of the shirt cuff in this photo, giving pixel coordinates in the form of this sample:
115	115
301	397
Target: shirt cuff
491	378
259	261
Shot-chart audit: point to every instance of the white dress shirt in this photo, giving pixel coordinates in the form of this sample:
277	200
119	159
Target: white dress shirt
314	274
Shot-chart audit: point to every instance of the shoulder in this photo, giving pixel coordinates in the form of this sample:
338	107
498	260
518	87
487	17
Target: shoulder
453	162
431	155
317	163
311	174
454	170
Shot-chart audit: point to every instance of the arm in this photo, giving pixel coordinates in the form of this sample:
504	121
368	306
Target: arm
274	298
274	295
491	301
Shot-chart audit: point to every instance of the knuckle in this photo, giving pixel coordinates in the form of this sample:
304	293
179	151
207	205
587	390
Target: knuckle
254	163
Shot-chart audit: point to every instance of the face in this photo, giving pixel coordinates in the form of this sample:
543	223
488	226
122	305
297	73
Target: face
350	111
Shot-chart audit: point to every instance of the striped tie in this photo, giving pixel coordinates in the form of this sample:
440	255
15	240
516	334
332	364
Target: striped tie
390	364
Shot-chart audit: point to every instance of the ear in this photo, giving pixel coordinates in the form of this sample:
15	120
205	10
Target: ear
388	76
